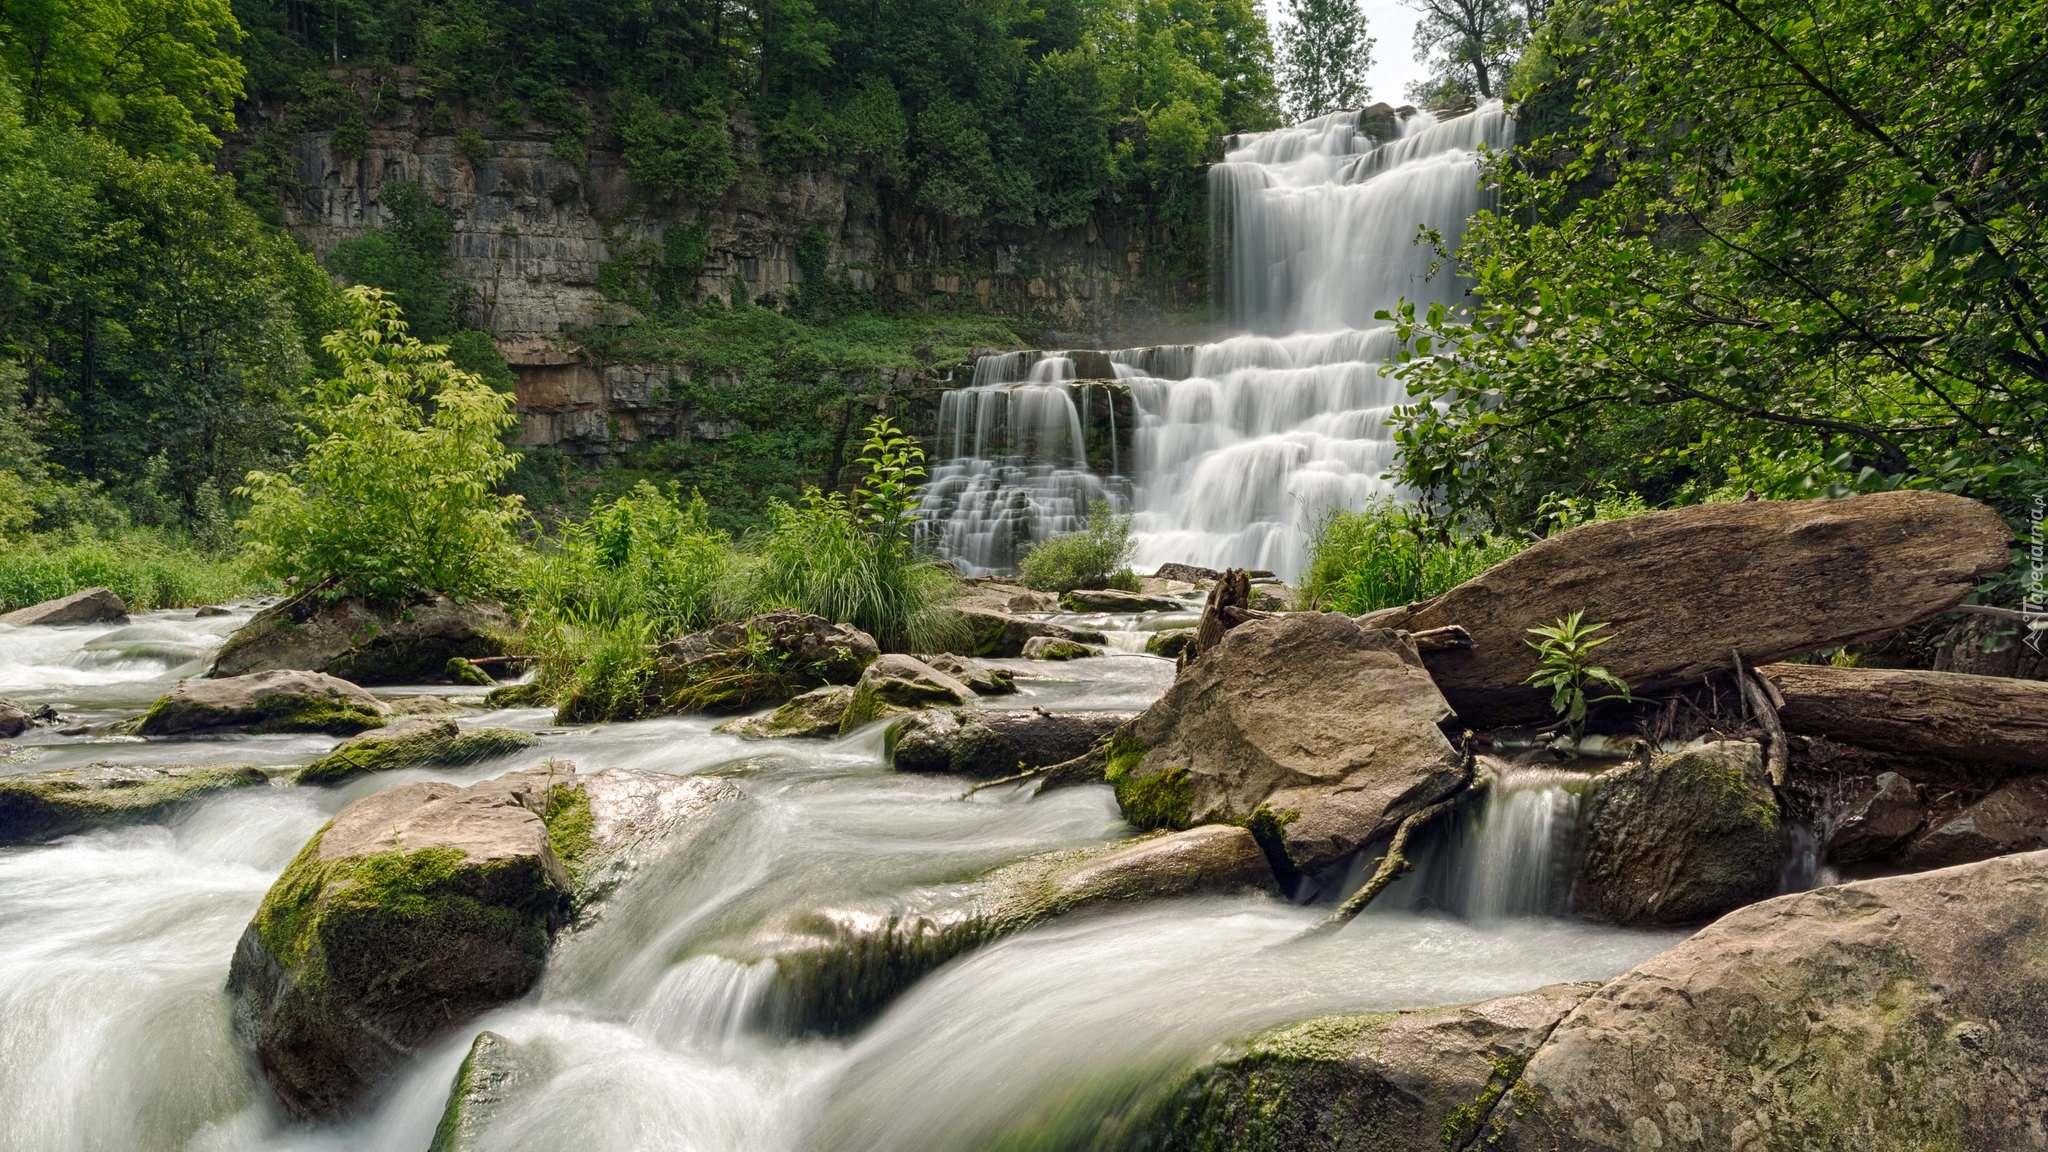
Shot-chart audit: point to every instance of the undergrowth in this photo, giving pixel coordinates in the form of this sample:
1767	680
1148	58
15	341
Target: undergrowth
147	569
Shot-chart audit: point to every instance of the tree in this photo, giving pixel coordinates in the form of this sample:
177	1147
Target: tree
1469	45
1324	56
155	75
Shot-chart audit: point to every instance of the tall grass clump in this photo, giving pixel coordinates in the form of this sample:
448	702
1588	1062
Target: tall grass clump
1097	556
1389	554
146	569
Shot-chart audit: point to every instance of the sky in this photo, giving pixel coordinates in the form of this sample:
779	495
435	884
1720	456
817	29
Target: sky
1392	25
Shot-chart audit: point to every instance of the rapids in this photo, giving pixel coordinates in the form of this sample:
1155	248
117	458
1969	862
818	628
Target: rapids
114	946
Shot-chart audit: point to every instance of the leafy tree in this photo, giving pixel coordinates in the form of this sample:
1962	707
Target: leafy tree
396	493
155	75
1324	56
1470	45
411	257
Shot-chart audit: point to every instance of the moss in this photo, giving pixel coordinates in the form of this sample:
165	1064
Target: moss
335	718
1161	799
529	695
44	805
866	707
570	826
1462	1125
461	671
436	744
1730	787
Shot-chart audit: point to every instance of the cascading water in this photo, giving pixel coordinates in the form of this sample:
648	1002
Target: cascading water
1239	447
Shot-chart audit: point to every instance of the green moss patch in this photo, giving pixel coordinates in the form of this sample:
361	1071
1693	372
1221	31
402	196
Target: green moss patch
413	746
45	805
1160	799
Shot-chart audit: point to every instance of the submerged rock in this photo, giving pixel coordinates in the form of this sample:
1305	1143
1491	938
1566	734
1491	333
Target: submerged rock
495	1070
38	806
1681	590
1330	729
837	966
413	744
14	719
363	642
816	714
991	743
92	606
264	702
1680	839
1053	648
984	679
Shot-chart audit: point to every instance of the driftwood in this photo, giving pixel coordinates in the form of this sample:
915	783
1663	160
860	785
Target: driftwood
1229	604
1910	713
1396	862
2001	613
1757	694
1441	639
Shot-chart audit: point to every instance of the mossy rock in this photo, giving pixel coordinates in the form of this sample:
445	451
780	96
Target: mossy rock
1054	648
532	694
460	671
1680	839
264	702
494	1070
817	713
414	744
1170	643
40	806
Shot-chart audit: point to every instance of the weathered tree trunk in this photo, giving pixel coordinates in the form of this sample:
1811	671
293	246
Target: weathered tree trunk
1943	715
1229	600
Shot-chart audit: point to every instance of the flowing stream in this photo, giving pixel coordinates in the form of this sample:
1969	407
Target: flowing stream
1236	448
114	946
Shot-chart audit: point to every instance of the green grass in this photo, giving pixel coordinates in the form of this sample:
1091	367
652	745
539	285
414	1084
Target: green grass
148	570
716	339
1388	555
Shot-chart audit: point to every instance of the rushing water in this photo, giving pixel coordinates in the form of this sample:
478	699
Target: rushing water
114	947
1236	448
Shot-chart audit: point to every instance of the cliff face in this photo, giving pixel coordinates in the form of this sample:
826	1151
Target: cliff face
534	229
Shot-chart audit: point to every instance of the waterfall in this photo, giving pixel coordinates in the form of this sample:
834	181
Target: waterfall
1239	447
1506	855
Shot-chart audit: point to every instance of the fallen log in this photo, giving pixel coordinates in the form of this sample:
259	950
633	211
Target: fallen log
1911	713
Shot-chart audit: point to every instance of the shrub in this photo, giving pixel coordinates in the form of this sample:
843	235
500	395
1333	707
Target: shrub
396	497
146	569
642	554
1094	557
1389	554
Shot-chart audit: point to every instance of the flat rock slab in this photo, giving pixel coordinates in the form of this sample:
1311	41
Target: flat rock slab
38	806
1911	713
362	642
415	743
1111	600
990	743
92	606
264	702
1892	1015
1332	728
1681	590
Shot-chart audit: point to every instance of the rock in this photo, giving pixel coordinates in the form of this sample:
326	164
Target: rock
362	642
985	680
38	806
837	966
462	671
420	906
1910	713
14	719
413	744
908	682
817	713
1679	840
494	1072
1000	634
1188	573
1390	1082
210	611
764	659
1894	1015
1679	590
991	743
531	694
1111	600
1333	729
92	606
1877	819
1053	648
264	702
1169	644
2013	818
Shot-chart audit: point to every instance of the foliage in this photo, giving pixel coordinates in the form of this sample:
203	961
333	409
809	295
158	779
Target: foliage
1769	246
645	561
1084	559
1324	57
411	257
1561	652
818	557
1470	47
395	495
146	569
1388	554
888	498
154	75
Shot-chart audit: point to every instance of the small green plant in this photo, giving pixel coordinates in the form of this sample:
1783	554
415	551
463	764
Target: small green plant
1561	652
1094	557
889	495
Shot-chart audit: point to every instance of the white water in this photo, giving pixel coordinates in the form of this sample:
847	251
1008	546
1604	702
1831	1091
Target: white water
114	947
1239	447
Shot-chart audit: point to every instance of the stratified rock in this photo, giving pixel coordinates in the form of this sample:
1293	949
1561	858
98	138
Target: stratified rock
2013	818
1391	1082
1911	713
1331	728
362	642
1876	819
1111	600
837	966
1894	1015
1000	634
14	719
1053	648
1681	590
985	680
1680	839
816	714
92	606
1170	643
413	744
493	1073
264	702
991	743
38	806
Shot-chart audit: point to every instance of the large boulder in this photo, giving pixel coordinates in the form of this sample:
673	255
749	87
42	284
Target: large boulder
907	682
14	719
1679	839
363	642
420	906
264	702
1914	714
92	606
1894	1015
763	659
1330	728
991	743
2012	818
836	966
1681	590
416	743
38	806
998	634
